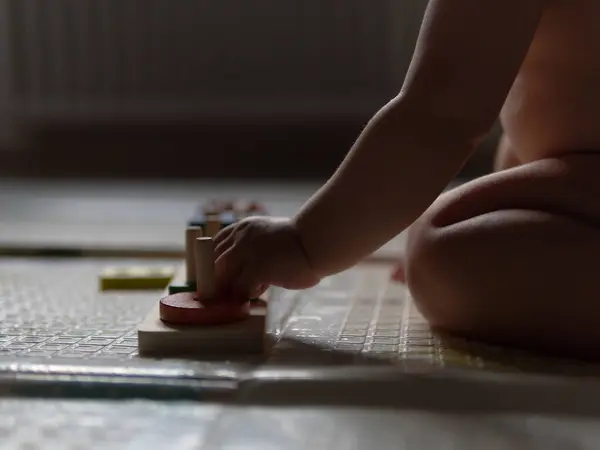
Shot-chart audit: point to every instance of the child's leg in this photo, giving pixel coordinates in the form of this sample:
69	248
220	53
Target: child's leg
505	159
512	257
399	273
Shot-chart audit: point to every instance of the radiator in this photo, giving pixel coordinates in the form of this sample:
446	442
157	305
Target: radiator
203	58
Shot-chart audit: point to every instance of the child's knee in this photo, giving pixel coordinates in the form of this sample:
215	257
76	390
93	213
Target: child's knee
435	285
446	272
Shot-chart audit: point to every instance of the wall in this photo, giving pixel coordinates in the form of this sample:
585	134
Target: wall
111	87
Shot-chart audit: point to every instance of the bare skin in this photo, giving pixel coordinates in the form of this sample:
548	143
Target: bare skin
506	155
506	258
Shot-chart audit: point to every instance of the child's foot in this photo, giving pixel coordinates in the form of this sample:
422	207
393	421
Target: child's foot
399	274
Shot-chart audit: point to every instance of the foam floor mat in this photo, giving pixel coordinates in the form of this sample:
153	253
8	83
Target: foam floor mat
53	309
363	315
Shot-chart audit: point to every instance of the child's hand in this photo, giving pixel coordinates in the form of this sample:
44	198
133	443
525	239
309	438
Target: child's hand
257	252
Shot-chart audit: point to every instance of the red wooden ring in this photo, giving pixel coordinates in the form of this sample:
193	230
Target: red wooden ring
184	309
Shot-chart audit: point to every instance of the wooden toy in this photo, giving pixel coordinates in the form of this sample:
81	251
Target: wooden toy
190	320
135	278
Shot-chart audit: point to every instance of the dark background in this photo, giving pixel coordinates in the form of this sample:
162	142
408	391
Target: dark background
74	53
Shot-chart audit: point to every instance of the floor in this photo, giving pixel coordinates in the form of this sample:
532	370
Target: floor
355	365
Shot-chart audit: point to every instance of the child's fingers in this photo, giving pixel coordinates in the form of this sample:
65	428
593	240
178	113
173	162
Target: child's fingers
247	286
224	245
224	234
227	269
249	282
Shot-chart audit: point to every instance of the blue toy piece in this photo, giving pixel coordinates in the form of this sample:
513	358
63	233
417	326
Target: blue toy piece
177	288
197	220
228	218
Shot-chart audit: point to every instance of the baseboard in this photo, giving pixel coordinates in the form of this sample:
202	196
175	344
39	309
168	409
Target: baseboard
222	151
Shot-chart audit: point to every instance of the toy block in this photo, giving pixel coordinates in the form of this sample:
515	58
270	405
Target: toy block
229	212
255	335
204	251
191	234
176	288
197	220
157	338
212	225
217	206
228	218
135	278
216	222
183	323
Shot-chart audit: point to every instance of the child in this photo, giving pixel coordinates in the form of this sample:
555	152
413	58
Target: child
507	258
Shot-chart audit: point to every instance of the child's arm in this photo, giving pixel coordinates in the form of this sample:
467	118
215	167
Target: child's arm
467	57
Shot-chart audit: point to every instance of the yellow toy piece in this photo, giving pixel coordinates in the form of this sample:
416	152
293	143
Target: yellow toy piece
137	278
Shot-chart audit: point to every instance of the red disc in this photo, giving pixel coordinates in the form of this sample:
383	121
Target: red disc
183	309
255	207
228	205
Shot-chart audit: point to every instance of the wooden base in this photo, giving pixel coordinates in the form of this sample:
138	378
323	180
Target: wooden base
250	336
158	339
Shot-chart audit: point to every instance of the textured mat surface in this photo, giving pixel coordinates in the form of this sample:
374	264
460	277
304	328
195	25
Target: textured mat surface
367	318
51	313
53	309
